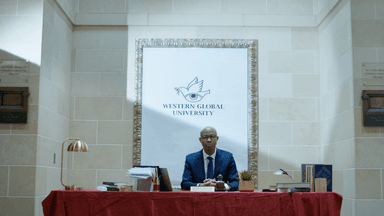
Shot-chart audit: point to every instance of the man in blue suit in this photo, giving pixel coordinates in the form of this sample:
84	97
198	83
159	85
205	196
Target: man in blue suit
202	167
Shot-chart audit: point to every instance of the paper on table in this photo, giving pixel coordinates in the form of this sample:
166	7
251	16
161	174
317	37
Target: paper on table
141	173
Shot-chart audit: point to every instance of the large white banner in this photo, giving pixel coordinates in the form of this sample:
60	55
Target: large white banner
185	90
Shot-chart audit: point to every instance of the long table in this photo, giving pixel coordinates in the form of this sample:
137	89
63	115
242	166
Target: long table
185	203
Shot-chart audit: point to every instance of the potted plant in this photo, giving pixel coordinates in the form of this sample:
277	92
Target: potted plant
246	183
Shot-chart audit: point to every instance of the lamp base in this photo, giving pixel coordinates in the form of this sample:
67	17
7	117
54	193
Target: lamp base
69	187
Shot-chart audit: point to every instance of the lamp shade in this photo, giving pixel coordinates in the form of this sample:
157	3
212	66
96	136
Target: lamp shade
279	172
78	146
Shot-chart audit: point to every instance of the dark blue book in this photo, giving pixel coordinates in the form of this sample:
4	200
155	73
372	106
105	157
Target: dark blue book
324	171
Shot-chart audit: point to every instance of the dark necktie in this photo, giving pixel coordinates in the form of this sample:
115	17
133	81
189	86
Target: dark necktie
210	168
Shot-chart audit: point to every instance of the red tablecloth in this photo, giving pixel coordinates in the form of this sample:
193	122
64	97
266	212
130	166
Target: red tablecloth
99	203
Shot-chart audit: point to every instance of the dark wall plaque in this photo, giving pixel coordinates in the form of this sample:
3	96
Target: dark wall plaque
373	107
14	104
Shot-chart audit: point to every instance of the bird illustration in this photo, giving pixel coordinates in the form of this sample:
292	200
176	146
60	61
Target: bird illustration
192	92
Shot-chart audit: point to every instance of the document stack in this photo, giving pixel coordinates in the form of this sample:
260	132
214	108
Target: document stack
142	178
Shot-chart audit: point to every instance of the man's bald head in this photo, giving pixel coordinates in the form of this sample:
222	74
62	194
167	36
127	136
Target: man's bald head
208	129
208	139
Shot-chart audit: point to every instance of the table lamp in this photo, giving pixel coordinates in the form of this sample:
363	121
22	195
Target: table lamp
283	172
75	146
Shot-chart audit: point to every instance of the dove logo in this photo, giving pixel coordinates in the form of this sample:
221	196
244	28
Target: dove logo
192	92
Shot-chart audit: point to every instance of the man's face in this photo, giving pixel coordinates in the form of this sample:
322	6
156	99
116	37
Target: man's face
208	140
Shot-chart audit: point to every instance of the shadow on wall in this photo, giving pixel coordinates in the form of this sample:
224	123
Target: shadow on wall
21	79
18	146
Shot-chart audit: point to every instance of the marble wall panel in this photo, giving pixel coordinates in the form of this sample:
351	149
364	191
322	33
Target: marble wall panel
100	61
305	85
53	179
375	27
196	6
305	38
52	125
292	109
275	133
113	84
86	37
195	20
100	157
369	207
369	152
379	9
263	162
363	9
11	205
98	108
343	96
8	7
18	150
291	62
102	6
263	109
243	6
343	182
85	84
219	32
86	131
348	207
340	154
114	38
335	127
115	132
61	75
348	122
5	129
127	109
4	170
41	181
127	160
22	180
87	180
306	133
291	7
368	182
49	152
275	85
149	7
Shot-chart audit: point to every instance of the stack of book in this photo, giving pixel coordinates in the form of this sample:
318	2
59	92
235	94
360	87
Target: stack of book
311	172
114	186
292	187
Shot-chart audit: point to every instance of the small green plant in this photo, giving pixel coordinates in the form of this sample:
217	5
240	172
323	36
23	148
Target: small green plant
245	176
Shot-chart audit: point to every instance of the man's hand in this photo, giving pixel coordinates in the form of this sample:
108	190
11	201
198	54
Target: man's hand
209	182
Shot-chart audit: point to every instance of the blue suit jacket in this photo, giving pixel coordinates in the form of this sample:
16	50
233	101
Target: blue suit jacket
194	169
